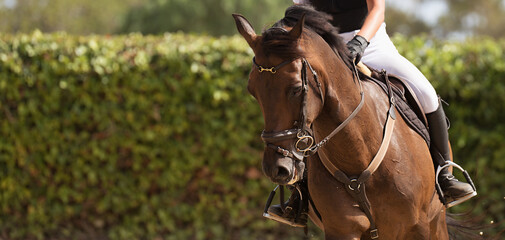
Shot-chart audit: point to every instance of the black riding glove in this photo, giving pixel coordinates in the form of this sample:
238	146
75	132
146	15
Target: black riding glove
357	47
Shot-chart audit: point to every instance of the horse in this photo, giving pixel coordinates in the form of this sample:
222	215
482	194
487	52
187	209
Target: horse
307	88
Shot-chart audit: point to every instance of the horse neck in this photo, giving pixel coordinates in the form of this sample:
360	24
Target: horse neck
352	149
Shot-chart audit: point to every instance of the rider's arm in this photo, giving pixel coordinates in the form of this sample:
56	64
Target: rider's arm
374	19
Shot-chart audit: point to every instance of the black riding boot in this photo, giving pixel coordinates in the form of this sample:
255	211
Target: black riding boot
454	191
296	211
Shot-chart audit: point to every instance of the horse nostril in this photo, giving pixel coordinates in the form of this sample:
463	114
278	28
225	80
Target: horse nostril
282	173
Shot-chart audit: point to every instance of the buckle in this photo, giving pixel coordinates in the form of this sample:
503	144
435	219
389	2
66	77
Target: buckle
374	234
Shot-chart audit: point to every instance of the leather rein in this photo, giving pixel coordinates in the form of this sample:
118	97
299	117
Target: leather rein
305	146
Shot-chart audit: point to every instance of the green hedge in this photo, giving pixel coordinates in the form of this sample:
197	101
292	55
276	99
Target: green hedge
156	137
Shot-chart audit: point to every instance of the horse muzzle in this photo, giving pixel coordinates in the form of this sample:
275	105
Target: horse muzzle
280	169
281	165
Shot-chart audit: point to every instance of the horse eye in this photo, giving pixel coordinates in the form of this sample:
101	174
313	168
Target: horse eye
295	91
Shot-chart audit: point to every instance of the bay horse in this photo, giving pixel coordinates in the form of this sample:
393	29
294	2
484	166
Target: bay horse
307	88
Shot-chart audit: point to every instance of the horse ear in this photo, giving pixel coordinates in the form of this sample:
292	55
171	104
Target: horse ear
245	29
296	32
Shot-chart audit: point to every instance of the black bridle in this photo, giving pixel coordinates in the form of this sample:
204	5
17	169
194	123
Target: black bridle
304	145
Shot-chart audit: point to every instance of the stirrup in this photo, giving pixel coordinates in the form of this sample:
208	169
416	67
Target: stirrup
274	217
282	220
468	180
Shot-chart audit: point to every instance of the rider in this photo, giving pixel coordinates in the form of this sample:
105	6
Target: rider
361	23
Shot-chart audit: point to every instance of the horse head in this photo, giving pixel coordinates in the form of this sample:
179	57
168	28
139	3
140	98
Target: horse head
280	81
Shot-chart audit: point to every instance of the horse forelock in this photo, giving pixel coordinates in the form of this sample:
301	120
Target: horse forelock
277	41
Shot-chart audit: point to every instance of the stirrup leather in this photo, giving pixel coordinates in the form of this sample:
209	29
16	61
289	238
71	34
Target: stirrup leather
468	180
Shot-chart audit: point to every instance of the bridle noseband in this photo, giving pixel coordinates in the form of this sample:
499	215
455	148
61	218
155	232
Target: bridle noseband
305	144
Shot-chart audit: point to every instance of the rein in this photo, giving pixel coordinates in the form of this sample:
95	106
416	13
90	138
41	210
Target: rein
304	145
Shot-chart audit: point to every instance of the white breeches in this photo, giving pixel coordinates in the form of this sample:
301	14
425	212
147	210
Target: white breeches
382	54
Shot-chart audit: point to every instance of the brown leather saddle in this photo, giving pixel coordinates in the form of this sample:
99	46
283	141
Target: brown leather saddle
406	102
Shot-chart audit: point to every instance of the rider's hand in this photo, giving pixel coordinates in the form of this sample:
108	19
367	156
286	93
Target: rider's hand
357	47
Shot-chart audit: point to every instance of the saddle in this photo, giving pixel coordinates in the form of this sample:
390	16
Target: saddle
406	102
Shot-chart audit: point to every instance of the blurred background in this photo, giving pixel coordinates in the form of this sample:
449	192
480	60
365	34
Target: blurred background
130	119
441	18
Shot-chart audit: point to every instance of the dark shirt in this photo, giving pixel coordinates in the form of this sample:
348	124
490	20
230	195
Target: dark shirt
348	15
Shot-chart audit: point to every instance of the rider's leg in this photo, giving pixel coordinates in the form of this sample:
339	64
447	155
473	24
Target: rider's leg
382	54
455	192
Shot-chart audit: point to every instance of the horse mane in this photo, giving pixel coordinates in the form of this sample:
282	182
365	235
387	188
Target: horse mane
277	41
